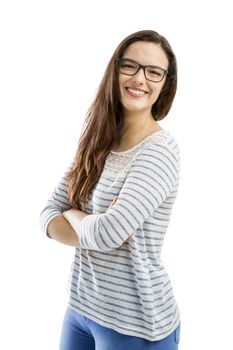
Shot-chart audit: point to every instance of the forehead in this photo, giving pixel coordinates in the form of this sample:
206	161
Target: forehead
147	53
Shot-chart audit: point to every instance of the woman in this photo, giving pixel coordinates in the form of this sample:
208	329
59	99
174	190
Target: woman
114	205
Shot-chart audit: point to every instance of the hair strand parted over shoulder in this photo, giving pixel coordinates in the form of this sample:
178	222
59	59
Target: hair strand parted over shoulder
104	120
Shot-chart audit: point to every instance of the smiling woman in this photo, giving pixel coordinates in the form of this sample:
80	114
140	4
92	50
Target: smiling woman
142	67
120	294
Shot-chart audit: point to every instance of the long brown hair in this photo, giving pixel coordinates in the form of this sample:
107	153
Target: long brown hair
104	120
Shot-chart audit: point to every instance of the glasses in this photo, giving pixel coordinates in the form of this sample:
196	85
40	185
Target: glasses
131	67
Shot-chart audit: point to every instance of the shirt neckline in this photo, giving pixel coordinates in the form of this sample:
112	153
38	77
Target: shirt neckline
138	144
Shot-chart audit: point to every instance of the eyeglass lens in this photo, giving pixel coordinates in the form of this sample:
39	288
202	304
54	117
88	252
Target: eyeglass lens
130	67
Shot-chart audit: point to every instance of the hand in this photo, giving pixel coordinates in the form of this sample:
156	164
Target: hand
110	206
112	203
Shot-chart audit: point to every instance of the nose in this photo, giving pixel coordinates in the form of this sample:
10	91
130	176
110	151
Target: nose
139	77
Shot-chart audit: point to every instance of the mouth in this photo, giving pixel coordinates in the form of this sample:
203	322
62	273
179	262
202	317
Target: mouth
135	92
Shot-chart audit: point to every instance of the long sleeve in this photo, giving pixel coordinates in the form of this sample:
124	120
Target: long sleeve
151	179
56	205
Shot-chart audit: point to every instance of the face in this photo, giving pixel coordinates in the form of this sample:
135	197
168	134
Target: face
137	93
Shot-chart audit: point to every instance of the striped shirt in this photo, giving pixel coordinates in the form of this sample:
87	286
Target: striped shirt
124	285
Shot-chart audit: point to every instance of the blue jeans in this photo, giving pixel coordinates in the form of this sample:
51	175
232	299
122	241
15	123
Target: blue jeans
81	333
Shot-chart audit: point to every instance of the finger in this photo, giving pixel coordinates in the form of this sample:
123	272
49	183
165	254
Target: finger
130	238
113	201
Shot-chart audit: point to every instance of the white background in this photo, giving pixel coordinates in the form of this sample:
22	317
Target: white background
47	49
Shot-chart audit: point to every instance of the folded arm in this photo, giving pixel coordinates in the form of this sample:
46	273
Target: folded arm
61	230
151	180
52	221
75	217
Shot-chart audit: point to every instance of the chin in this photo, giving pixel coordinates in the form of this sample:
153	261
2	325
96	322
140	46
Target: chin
130	108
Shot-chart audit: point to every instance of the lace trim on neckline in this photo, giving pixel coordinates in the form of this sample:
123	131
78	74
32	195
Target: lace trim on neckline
121	161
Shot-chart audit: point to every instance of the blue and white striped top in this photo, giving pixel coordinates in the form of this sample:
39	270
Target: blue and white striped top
124	285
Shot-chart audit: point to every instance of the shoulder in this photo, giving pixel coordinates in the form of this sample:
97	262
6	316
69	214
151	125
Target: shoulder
162	142
158	158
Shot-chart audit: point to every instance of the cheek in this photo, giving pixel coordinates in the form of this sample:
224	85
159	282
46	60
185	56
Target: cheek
121	81
120	84
157	90
156	93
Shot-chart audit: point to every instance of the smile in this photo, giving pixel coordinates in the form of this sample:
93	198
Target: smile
136	92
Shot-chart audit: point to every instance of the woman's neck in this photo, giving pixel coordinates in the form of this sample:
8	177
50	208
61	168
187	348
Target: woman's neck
135	130
138	124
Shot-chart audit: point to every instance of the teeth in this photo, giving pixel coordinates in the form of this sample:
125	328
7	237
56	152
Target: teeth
136	92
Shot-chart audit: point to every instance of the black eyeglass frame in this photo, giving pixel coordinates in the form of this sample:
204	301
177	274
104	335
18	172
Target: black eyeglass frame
120	59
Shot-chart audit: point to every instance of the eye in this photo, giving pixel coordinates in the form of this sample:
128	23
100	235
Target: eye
128	64
155	72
